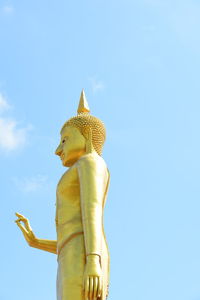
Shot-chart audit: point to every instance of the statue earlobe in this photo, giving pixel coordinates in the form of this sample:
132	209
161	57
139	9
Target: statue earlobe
89	145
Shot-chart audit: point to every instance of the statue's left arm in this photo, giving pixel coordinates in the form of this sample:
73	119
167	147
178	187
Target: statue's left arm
93	177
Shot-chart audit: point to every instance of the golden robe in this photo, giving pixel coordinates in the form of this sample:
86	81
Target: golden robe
81	197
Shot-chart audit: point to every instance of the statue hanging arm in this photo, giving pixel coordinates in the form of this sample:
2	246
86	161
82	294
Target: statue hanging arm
32	240
93	179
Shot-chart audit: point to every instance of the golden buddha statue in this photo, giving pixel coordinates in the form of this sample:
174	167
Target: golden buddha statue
83	257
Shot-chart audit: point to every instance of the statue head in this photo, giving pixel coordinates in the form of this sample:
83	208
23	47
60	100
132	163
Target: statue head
80	135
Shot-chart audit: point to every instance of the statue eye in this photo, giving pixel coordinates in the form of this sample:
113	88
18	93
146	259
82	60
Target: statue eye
64	140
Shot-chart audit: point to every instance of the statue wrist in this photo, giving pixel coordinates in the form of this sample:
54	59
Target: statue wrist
93	257
33	240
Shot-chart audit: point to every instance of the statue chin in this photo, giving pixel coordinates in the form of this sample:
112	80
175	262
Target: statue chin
68	162
71	159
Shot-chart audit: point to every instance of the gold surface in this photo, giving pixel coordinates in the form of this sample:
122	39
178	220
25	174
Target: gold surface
83	104
83	257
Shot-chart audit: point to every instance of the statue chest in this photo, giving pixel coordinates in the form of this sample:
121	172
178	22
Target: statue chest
68	196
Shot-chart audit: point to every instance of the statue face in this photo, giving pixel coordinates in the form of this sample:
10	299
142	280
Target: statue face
72	146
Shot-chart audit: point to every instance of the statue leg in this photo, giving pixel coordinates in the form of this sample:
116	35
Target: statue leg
71	262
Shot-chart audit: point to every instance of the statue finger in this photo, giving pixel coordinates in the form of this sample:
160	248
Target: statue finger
19	216
86	287
27	225
22	227
99	290
95	287
23	219
91	288
18	222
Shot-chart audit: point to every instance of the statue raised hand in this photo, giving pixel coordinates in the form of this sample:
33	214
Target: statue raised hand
46	245
26	229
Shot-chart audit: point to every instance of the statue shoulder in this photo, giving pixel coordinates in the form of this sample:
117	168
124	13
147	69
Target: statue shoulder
91	160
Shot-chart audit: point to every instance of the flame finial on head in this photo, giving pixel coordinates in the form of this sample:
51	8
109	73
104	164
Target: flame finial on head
83	104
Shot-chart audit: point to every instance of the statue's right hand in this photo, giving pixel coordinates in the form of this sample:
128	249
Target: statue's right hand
26	229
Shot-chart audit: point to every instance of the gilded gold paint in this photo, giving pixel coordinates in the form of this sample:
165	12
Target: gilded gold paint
83	257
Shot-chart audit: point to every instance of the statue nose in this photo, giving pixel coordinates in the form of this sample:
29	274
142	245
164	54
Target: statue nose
58	151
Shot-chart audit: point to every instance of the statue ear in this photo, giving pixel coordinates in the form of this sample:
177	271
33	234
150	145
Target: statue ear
89	145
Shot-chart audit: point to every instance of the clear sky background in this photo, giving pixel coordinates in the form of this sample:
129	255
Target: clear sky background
139	63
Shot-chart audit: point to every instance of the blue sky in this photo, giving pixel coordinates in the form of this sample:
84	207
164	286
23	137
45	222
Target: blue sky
139	63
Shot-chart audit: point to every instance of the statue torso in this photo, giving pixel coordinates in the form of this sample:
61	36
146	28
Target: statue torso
68	203
68	209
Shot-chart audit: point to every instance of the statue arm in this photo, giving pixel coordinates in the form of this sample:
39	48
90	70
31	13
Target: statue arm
32	240
93	179
46	245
